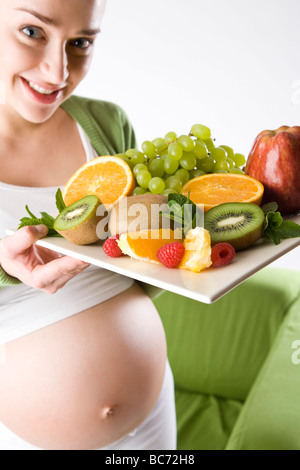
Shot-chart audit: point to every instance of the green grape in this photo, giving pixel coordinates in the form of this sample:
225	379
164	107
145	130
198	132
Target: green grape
143	178
132	152
139	190
221	165
136	157
200	150
139	167
200	131
183	175
122	155
218	154
174	183
156	185
156	167
228	150
170	137
149	149
175	151
164	155
209	144
237	171
160	145
188	161
231	162
239	160
170	165
207	165
220	171
126	159
187	143
166	192
196	173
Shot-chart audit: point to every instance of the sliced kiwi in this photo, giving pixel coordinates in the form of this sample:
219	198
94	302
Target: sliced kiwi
237	223
139	212
78	222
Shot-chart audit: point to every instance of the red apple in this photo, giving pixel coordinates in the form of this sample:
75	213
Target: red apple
275	161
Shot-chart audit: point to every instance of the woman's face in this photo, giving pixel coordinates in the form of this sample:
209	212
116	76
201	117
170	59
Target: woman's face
46	47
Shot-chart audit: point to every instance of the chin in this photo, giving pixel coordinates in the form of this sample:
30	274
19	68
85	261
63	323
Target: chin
35	112
37	117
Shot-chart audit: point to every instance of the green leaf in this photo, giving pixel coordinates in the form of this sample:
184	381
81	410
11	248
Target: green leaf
48	219
277	229
183	212
179	198
270	207
30	213
289	229
26	221
273	220
45	219
60	204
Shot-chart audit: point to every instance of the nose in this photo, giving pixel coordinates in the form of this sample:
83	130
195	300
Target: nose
55	66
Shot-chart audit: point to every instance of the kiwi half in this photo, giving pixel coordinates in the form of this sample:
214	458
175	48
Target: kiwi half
139	212
78	222
237	223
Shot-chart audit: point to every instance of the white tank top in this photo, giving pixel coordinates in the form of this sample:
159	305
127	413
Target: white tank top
23	309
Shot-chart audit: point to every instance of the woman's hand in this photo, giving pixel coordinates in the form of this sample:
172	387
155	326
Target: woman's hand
36	266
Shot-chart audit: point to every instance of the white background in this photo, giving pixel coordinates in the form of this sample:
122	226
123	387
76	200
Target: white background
233	65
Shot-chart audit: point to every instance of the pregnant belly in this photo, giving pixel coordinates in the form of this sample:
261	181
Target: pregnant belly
86	381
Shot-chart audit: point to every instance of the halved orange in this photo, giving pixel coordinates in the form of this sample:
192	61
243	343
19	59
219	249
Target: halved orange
144	244
109	177
216	188
197	255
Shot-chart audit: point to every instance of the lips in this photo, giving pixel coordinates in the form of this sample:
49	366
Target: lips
40	94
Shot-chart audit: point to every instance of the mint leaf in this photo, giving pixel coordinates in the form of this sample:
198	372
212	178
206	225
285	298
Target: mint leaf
289	229
277	229
30	213
183	212
270	207
45	219
273	220
60	203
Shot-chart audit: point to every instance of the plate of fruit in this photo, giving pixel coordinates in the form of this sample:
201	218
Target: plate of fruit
182	214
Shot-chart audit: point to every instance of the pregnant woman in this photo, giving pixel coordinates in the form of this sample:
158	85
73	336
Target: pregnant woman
86	367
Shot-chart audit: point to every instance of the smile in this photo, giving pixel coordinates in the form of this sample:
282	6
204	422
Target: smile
40	89
40	94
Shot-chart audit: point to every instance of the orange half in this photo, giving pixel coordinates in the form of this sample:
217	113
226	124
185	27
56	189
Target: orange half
144	244
216	188
109	177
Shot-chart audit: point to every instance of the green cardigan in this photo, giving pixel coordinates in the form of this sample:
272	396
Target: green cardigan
108	129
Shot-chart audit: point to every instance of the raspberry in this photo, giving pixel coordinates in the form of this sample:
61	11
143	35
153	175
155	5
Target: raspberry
111	247
222	254
170	254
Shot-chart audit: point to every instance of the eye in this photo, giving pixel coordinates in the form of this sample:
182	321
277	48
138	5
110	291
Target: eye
82	43
32	32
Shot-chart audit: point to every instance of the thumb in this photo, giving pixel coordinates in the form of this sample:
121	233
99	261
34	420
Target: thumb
39	231
25	237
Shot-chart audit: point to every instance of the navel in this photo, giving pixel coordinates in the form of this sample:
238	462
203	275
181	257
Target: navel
108	411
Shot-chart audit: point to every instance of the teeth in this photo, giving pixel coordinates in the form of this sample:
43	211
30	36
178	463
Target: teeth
39	89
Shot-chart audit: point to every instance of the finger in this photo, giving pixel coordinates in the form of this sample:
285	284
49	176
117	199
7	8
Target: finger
57	272
47	255
60	283
25	237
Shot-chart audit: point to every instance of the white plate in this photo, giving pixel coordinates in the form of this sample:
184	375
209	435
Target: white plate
207	286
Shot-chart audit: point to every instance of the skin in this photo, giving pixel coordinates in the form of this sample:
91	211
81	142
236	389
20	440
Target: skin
88	380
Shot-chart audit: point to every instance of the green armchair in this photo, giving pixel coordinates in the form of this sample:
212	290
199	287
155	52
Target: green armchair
235	365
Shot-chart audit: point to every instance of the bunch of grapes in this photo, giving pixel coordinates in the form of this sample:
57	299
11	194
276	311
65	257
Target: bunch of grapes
167	163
